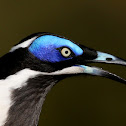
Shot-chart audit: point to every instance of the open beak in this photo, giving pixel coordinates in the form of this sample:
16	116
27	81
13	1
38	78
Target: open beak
92	56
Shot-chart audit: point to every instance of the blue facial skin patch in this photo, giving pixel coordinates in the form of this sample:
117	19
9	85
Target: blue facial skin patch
46	47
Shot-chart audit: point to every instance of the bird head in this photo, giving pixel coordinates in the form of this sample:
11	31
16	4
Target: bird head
56	55
34	65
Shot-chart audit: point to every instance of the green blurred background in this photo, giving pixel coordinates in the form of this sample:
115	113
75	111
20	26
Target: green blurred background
99	24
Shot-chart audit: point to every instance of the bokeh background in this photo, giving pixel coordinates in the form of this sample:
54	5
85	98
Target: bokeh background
99	24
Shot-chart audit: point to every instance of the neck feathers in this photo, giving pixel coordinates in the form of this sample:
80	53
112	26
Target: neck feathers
22	96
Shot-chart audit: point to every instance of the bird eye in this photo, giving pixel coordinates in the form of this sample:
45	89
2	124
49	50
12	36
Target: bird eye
65	52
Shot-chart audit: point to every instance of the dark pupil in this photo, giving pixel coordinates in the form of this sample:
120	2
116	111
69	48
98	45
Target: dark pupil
66	52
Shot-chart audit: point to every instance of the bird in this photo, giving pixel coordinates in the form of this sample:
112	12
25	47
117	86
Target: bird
33	66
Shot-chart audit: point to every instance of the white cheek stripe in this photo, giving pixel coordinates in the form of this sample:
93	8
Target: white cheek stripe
68	70
23	44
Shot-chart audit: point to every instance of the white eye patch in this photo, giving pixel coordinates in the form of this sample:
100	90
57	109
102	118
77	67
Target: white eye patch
66	52
23	44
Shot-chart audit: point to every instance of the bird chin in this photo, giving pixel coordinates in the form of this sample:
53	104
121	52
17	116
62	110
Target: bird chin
83	69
